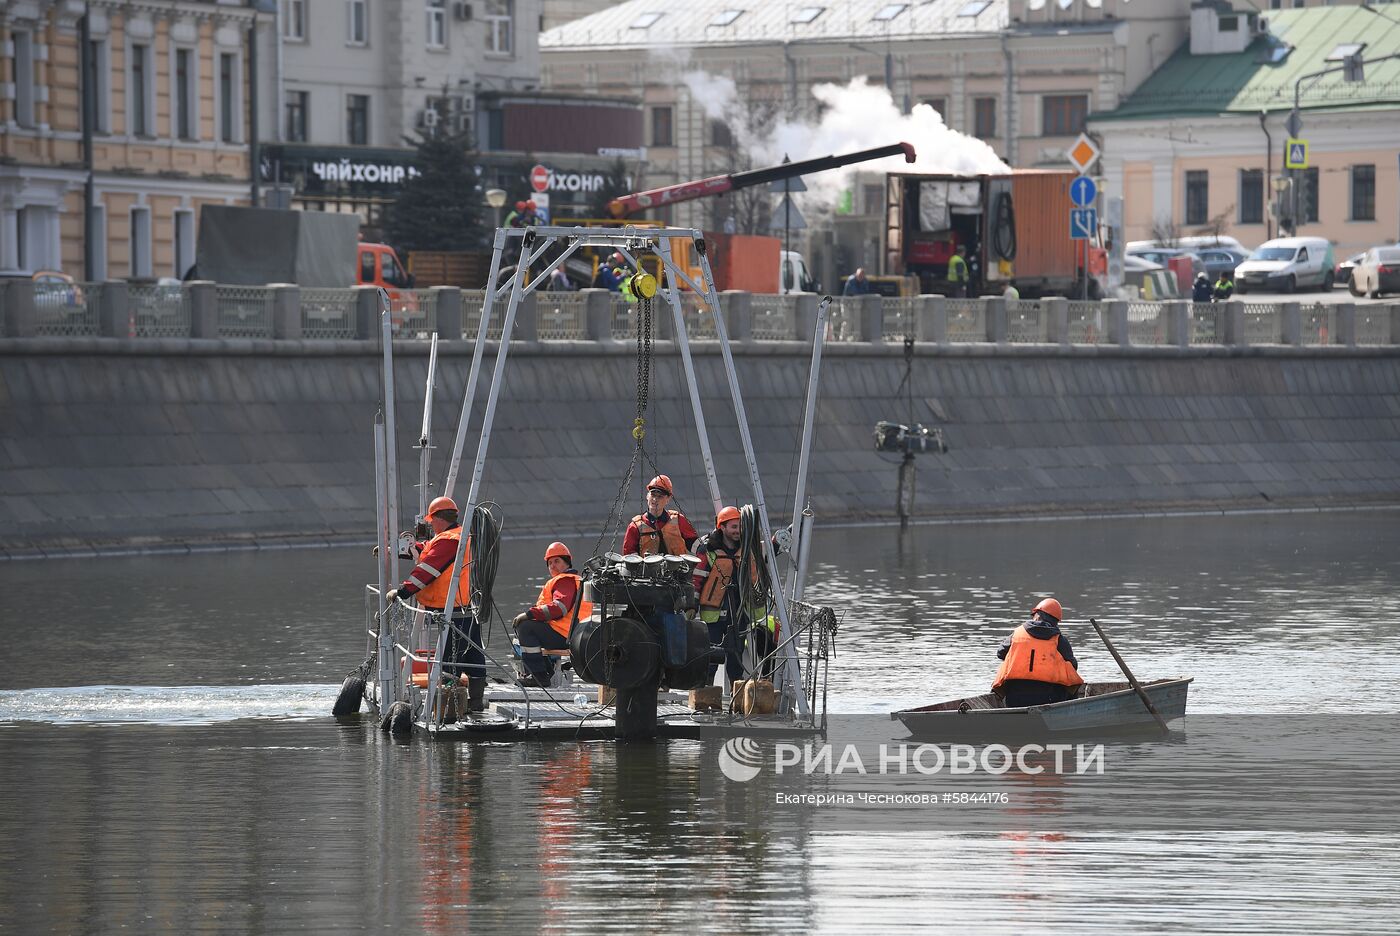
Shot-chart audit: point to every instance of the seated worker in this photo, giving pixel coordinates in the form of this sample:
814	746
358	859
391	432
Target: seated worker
546	625
726	609
429	585
1038	665
659	530
1224	287
1200	292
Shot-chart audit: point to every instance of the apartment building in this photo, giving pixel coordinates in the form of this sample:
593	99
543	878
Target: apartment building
169	108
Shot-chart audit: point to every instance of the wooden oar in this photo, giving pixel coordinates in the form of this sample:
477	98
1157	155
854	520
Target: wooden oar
1132	680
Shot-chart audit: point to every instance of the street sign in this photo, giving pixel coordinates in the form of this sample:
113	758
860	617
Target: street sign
1083	223
1294	126
787	216
541	201
1083	153
539	178
1295	154
1083	191
794	184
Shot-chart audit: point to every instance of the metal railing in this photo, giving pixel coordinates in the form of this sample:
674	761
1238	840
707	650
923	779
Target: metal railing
328	313
898	317
1373	325
244	311
159	311
774	317
1025	322
66	310
1207	323
1319	325
413	313
1262	324
1086	323
472	301
967	320
562	316
1147	323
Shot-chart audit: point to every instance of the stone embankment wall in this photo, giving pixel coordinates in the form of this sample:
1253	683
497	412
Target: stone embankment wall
179	443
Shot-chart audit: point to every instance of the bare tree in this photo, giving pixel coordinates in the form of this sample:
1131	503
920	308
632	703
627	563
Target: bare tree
1165	231
751	119
1215	227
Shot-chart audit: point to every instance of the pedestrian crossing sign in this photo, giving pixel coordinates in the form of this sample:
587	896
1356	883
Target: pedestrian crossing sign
1295	154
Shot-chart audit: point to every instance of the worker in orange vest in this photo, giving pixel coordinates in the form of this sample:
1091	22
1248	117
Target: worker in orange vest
659	530
1038	665
429	582
730	609
545	625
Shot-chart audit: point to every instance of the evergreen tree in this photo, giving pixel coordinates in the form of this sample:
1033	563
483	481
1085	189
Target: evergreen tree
614	185
441	207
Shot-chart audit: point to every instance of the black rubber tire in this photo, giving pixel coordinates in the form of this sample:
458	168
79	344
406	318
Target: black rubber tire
1328	281
1241	289
1291	286
398	721
352	693
1351	288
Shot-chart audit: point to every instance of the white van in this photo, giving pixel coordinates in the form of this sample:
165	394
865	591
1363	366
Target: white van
1286	263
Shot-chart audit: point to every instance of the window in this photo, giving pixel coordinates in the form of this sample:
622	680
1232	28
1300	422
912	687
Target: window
367	266
99	67
294	20
498	16
975	8
1363	193
984	112
1229	24
806	14
874	198
437	24
1251	198
889	11
185	92
24	78
939	104
725	17
356	22
661	126
720	134
138	98
1307	195
357	119
390	269
228	91
140	242
1302	255
1197	196
645	21
297	106
1063	114
184	242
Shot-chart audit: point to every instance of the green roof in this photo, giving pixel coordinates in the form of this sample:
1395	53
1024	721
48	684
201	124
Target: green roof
1247	82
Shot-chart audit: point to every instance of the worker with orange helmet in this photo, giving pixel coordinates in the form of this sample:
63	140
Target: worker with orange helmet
546	625
1038	666
729	605
429	582
658	530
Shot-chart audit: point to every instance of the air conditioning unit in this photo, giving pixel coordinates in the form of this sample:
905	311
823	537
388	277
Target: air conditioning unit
462	123
462	12
428	118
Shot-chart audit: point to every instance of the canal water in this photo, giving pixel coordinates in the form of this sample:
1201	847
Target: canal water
168	762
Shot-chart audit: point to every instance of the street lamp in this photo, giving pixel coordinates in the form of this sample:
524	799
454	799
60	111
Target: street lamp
496	198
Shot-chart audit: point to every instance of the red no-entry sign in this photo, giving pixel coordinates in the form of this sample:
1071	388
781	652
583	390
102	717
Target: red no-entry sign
539	178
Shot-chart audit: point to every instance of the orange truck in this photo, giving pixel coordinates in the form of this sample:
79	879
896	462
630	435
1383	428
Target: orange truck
1014	226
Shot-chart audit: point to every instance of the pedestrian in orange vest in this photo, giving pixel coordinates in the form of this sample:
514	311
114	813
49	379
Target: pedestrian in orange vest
1038	666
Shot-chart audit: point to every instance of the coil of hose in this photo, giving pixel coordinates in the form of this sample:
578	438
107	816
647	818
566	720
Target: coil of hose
1004	227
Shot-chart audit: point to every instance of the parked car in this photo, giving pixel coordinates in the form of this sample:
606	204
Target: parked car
1184	264
55	290
1287	263
1378	272
1343	271
1221	260
1195	242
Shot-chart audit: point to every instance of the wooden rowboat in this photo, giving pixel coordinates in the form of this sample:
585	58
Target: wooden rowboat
1101	707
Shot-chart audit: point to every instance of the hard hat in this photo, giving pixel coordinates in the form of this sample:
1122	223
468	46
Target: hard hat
1200	276
530	204
660	481
556	549
441	503
727	514
1051	607
520	206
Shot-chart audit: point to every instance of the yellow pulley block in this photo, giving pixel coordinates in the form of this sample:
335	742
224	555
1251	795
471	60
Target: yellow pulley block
639	430
643	285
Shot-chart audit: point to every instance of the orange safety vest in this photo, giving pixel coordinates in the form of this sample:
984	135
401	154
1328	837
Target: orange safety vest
721	573
1035	658
669	535
585	608
435	595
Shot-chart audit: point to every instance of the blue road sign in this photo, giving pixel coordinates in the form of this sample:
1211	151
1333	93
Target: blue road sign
1083	191
1083	223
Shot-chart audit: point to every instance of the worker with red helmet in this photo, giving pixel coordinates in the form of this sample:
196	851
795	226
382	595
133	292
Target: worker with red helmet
658	530
546	625
1038	666
517	215
429	582
729	605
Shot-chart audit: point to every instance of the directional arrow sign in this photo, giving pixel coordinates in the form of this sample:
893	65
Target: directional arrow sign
1295	154
1083	191
1083	223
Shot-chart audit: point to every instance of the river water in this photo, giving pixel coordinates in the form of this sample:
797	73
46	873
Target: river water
169	764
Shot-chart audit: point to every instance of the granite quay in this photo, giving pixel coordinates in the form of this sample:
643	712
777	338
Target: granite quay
174	439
